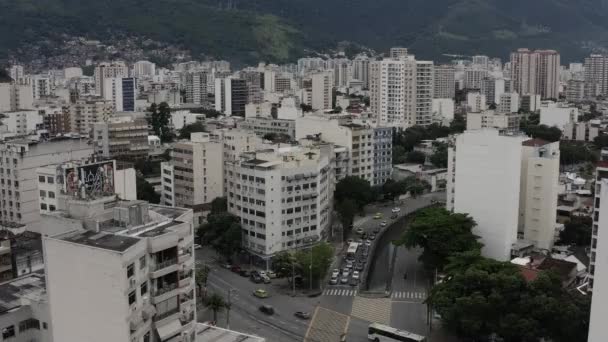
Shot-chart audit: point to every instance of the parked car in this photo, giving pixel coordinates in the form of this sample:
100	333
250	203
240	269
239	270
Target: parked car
356	275
235	269
377	230
255	273
333	281
394	216
261	273
372	237
349	265
256	278
378	216
245	273
359	267
349	241
271	274
344	280
396	210
267	309
265	279
368	242
360	231
302	314
260	293
335	273
227	266
197	246
364	236
345	272
383	224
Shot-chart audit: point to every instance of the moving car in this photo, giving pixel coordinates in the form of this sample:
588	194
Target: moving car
302	314
368	242
235	269
383	224
378	216
227	266
359	266
396	210
245	273
344	280
394	216
356	275
271	274
256	278
197	246
265	279
360	231
260	293
345	272
372	237
333	281
335	273
267	309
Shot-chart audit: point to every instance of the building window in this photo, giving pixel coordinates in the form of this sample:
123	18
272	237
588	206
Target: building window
132	297
51	194
51	207
43	206
50	180
142	262
45	326
130	270
147	337
143	289
29	324
41	179
8	332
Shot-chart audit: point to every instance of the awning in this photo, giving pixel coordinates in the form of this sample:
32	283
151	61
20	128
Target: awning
169	330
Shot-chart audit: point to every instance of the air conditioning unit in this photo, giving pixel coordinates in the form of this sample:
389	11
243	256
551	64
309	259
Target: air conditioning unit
132	282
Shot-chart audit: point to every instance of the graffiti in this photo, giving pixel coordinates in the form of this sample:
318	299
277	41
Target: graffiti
97	178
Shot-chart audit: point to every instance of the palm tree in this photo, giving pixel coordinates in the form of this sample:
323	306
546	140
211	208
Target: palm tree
216	303
201	279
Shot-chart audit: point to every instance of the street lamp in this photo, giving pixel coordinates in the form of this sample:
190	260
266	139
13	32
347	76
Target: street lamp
228	308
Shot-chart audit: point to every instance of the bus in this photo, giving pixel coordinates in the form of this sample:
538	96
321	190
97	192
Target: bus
352	250
383	333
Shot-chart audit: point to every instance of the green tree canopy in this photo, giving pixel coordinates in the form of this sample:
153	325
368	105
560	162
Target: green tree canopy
159	120
441	234
223	232
574	152
347	209
283	263
145	191
439	158
187	130
544	132
415	157
315	261
577	231
355	188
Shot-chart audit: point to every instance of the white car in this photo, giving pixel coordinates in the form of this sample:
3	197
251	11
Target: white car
335	273
356	275
396	210
383	224
345	273
262	273
197	246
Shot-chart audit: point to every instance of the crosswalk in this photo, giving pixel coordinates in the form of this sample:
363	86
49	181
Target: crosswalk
340	292
402	295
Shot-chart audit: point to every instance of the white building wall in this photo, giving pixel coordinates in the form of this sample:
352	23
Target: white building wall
487	186
553	114
476	102
444	108
125	184
598	329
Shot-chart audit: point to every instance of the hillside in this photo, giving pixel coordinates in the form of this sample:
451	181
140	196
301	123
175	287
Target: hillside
281	30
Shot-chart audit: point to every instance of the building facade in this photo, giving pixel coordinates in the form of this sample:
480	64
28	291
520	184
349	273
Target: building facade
121	138
445	84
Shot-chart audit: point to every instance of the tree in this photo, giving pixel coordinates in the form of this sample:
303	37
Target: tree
439	158
577	231
544	132
459	124
187	130
219	205
145	191
216	303
223	232
159	120
277	137
392	189
315	261
601	141
441	234
283	264
201	278
400	155
356	189
415	157
574	152
305	107
347	209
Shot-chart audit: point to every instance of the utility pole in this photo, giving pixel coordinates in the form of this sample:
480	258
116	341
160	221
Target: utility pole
310	269
293	278
228	309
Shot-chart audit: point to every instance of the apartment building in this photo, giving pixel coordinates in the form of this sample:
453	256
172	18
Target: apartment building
196	87
104	71
473	77
18	182
122	92
596	75
266	125
322	90
492	88
235	142
14	96
581	131
361	69
508	103
143	69
393	91
575	90
445	83
548	74
135	268
22	122
557	114
383	151
536	72
507	183
231	96
121	137
504	122
599	219
282	196
476	102
194	176
397	52
529	102
598	267
86	111
57	122
424	92
41	86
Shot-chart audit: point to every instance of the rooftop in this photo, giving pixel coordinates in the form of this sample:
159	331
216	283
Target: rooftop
210	333
37	149
535	142
13	292
113	242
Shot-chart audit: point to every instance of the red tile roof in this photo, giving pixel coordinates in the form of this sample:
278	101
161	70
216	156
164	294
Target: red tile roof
535	142
528	273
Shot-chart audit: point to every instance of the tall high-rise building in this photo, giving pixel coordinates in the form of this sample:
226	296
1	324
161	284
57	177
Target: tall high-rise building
361	69
473	77
600	219
598	266
596	75
16	73
14	96
121	92
397	52
230	96
445	84
535	72
492	88
322	88
196	87
481	60
484	163
143	69
41	86
121	137
424	92
104	71
87	110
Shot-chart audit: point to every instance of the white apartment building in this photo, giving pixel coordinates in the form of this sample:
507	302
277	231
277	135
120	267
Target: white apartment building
445	84
122	92
16	73
557	114
443	110
581	131
476	102
266	125
484	178
125	137
548	74
481	61
397	52
181	118
473	77
135	268
424	92
369	148
236	141
322	87
195	174
143	69
283	197
41	86
18	181
508	103
598	330
106	70
493	119
596	75
15	96
196	87
492	88
530	102
575	90
536	72
538	192
86	111
361	69
393	91
22	122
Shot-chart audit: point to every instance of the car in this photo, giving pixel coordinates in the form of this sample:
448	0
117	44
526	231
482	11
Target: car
360	231
378	216
197	246
396	210
245	273
302	314
359	267
267	309
364	236
365	253
356	275
256	278
344	280
271	274
260	293
383	224
335	273
333	281
377	230
227	266
368	242
394	216
235	269
261	273
354	282
265	279
345	272
349	241
255	273
372	237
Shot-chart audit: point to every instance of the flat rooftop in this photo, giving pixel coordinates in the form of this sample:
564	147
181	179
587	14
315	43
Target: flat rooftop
109	241
37	149
31	286
210	333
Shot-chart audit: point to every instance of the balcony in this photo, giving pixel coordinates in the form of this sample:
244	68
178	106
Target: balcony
184	257
164	293
184	282
163	268
163	315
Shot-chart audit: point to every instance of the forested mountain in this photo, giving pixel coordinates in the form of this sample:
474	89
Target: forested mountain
282	30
